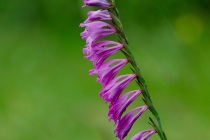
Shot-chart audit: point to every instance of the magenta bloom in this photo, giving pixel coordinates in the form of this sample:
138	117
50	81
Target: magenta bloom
88	47
142	136
128	120
98	15
99	51
115	87
98	3
96	30
108	70
116	110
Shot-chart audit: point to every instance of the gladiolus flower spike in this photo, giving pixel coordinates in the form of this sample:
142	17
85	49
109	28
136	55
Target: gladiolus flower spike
98	51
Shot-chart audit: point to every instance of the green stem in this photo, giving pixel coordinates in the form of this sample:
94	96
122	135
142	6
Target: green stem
140	80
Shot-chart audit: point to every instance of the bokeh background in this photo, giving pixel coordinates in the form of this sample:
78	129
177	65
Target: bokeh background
47	94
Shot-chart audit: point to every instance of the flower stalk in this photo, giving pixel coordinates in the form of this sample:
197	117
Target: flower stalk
140	80
98	51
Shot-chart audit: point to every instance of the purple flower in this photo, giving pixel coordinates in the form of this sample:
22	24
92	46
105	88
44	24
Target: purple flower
98	3
97	50
108	70
142	136
88	47
98	15
127	121
96	30
100	51
116	110
115	87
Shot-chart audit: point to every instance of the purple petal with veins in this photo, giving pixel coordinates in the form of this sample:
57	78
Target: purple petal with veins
114	88
98	3
127	121
98	15
108	70
96	30
99	52
116	110
144	135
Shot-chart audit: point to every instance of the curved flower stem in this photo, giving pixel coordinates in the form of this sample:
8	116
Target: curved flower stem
140	80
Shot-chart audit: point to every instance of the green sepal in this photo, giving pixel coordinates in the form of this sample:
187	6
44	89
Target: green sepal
156	128
133	71
116	20
164	135
126	54
153	124
113	1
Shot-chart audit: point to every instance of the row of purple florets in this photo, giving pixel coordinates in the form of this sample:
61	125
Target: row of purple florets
98	51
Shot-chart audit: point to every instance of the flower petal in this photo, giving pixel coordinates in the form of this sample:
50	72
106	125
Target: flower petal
88	46
140	135
97	3
116	110
98	15
112	91
127	121
96	30
99	52
108	70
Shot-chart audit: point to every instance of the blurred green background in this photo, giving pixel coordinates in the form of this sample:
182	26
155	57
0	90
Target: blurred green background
47	94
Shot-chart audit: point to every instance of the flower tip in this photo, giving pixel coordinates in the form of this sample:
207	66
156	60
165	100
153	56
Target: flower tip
144	135
93	71
82	25
128	120
118	108
97	3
